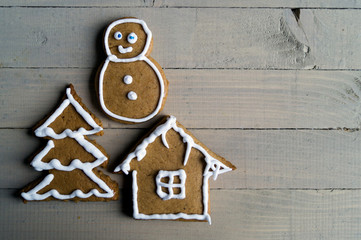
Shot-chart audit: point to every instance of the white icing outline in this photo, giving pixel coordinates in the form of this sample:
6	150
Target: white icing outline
213	168
86	167
127	20
140	57
74	164
170	185
44	130
33	195
200	217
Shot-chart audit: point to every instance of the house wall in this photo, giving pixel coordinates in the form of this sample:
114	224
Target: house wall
161	158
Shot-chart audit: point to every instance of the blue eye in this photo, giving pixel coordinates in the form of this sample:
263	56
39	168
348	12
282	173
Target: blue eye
132	38
118	35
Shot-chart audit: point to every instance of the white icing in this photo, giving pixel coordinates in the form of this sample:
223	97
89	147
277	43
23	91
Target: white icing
118	35
86	167
33	195
123	50
132	38
171	185
41	155
128	20
44	130
132	95
201	217
135	194
140	57
213	168
128	79
75	163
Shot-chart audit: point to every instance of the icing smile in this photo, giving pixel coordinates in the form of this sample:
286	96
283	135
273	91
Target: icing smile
124	50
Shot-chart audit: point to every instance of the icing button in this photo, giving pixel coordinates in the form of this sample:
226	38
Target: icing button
128	79
132	95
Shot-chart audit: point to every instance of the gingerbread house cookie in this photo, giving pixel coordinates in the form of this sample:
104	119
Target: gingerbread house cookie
170	170
70	157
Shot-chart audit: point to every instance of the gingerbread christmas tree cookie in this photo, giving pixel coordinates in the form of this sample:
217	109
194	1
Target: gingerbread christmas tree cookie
170	170
70	157
131	86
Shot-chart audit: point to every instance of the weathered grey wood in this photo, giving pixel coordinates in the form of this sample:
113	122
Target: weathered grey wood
80	3
187	37
263	4
265	159
238	98
270	195
246	214
188	3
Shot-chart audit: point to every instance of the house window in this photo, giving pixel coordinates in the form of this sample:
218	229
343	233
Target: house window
171	184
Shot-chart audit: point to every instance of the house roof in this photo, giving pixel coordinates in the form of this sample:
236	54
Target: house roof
215	164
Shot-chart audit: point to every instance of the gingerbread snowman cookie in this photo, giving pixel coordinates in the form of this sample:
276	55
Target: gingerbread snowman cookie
131	86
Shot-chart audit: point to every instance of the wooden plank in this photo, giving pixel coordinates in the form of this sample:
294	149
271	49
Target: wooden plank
201	98
265	159
260	3
77	3
187	37
246	214
188	3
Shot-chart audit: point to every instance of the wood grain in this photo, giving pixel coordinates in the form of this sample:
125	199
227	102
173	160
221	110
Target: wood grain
240	38
264	158
274	90
188	3
245	214
260	4
239	98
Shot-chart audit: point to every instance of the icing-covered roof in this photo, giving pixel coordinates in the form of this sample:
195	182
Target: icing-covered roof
213	168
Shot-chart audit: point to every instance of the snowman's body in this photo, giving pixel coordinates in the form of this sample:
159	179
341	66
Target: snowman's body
132	88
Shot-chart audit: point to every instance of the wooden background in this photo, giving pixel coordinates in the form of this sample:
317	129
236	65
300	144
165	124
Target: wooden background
273	86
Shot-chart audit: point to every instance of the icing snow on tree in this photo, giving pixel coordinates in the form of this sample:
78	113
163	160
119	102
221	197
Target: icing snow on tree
70	157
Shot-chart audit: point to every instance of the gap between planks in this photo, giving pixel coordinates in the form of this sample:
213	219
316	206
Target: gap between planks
195	69
262	38
264	159
273	4
179	7
210	99
283	214
221	129
250	189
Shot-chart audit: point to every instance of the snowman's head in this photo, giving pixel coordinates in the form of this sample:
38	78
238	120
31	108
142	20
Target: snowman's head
127	39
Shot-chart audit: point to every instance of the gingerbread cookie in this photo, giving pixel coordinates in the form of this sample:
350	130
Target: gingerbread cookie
131	86
70	156
170	170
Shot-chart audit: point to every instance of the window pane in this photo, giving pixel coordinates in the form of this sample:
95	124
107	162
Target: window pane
165	179
176	190
176	179
165	190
